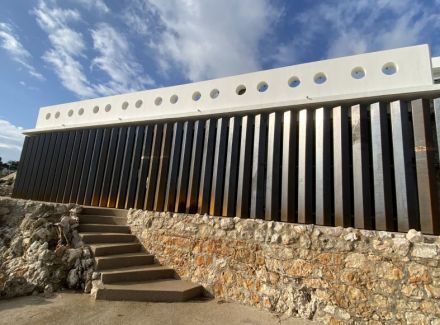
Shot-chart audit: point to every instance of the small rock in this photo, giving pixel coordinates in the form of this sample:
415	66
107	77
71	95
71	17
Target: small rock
4	211
227	223
352	236
423	250
415	236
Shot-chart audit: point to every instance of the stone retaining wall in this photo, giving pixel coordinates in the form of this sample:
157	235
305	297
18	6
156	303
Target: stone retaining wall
329	274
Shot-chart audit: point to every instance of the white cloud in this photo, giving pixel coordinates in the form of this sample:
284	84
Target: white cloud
11	44
207	39
98	5
11	141
117	61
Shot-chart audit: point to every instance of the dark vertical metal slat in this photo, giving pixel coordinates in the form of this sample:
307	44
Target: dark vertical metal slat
73	165
53	190
93	167
323	186
163	163
65	167
273	181
288	168
143	173
361	170
173	171
86	167
258	167
405	184
39	160
207	165
155	148
381	151
111	158
245	167
195	167
218	171
52	167
100	169
22	165
30	169
134	169
45	168
230	187
184	166
341	167
305	166
426	181
436	103
116	174
126	166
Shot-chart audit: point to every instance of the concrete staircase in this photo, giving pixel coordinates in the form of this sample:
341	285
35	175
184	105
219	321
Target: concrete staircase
127	271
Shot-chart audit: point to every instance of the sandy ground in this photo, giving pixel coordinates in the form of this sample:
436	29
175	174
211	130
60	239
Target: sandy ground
73	308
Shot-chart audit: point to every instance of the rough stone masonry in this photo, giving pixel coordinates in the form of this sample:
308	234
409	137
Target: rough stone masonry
332	275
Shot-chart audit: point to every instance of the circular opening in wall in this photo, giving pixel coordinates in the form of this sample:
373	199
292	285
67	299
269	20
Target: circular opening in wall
389	68
294	82
47	116
240	90
214	93
174	99
81	111
196	96
138	103
96	109
70	112
158	101
320	78
57	115
124	105
262	86
358	73
108	107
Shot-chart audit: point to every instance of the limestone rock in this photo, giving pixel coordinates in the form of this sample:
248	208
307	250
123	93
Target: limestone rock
415	236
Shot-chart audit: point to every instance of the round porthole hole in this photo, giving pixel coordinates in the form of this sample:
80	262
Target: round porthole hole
96	109
81	111
158	101
70	112
174	99
47	116
138	103
389	68
214	93
358	73
320	78
108	107
294	82
241	90
262	86
196	96
124	105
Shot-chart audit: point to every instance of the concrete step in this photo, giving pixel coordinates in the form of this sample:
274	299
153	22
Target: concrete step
123	260
90	227
137	273
107	249
102	220
101	237
88	210
156	291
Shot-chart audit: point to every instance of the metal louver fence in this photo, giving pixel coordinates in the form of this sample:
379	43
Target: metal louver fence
368	166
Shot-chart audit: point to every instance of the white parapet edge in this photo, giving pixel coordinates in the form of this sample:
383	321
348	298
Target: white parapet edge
436	68
383	73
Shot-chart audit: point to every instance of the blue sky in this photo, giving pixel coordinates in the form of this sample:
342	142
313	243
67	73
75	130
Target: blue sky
61	51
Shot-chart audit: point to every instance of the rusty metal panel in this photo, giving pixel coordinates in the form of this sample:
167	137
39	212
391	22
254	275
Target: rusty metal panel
111	158
143	174
62	156
116	173
134	167
163	162
72	166
126	167
426	178
245	167
86	167
323	162
195	167
341	167
39	160
259	167
218	173
79	166
273	181
184	166
288	167
173	171
44	172
404	171
381	158
100	169
230	186
26	184
154	154
93	167
305	166
207	165
62	182
361	169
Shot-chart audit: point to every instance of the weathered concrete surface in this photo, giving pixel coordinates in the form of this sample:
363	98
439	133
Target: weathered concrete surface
72	308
